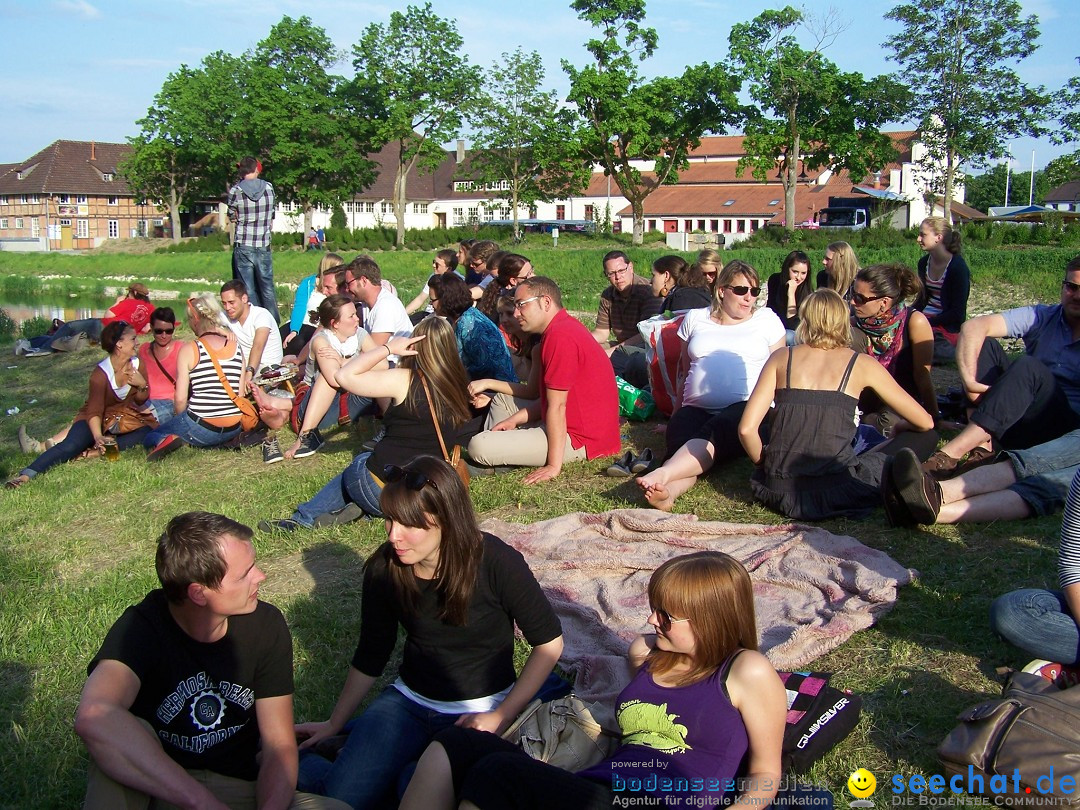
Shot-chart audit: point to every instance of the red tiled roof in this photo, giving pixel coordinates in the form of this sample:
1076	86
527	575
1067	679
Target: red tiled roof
719	145
69	167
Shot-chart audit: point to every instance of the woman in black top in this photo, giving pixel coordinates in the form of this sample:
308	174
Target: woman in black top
681	285
788	289
457	593
431	353
946	284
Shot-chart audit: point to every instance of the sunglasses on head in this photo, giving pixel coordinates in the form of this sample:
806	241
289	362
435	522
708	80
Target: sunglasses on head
414	479
859	299
664	620
164	331
743	290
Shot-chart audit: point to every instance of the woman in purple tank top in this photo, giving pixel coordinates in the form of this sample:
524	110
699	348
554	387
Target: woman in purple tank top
702	717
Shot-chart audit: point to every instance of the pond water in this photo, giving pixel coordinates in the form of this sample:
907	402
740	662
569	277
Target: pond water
49	307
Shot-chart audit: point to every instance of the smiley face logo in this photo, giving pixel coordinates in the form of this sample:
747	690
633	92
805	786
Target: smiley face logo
861	783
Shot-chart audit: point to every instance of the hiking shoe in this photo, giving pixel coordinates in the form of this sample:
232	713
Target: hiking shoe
369	445
918	490
29	445
621	468
169	444
310	441
339	517
271	452
1061	675
283	525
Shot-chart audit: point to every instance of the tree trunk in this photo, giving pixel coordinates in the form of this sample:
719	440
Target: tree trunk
638	207
790	177
307	223
174	210
514	205
400	177
950	171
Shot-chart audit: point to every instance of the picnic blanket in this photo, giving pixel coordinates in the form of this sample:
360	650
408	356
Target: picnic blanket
813	589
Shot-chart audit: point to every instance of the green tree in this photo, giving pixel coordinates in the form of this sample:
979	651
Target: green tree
958	56
314	144
627	120
981	191
415	85
190	137
525	146
808	109
1066	168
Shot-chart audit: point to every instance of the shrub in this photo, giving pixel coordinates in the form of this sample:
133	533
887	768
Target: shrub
8	327
34	327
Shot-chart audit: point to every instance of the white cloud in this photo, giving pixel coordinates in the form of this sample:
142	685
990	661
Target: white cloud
80	7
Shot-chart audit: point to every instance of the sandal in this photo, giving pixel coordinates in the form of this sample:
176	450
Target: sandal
16	482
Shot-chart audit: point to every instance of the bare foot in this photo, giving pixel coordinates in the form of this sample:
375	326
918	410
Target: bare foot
655	490
292	450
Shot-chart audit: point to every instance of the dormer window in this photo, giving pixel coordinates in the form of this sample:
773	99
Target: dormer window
107	177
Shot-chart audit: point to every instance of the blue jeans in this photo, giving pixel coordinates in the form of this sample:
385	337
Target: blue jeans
91	326
1039	623
79	438
163	409
1045	471
370	771
356	405
255	267
191	432
353	484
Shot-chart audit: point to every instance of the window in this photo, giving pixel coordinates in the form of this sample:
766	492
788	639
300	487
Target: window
740	225
588	212
114	200
35	227
651	225
560	212
3	224
81	200
63	199
688	225
774	202
82	228
3	199
459	216
19	223
368	207
114	229
420	208
714	225
387	208
489	214
729	202
727	226
701	224
107	177
66	222
754	224
474	214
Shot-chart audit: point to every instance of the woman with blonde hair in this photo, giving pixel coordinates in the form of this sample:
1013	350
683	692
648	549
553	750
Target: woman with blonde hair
709	262
704	706
809	469
430	356
841	266
725	348
946	284
206	413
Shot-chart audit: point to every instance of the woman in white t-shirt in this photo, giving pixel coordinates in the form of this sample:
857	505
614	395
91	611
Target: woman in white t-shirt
339	338
725	348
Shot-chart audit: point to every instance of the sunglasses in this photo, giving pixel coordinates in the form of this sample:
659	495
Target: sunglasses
1070	287
414	479
743	290
859	299
664	620
164	331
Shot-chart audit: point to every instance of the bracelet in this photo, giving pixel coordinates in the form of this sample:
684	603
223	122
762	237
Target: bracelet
251	369
387	346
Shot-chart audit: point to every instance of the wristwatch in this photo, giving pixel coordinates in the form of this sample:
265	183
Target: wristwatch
251	369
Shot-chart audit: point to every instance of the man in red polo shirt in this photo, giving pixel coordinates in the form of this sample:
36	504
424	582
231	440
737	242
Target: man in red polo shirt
577	416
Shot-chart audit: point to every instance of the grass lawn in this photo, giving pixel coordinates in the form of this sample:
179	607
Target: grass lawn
77	547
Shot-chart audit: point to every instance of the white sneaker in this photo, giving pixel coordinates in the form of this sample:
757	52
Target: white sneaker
22	346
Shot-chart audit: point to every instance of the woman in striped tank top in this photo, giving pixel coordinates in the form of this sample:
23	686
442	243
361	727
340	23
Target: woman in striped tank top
206	415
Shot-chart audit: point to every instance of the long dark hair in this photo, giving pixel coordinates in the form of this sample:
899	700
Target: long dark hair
779	306
437	359
443	501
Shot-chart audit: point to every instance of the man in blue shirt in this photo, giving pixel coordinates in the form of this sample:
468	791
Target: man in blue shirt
1036	398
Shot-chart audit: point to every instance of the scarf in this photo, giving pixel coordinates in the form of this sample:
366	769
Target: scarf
885	335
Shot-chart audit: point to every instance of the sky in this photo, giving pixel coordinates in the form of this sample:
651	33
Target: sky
88	69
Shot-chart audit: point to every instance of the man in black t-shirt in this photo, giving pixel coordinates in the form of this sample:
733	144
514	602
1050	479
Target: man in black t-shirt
193	681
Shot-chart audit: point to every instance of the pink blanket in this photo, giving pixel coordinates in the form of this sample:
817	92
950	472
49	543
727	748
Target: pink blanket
813	589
